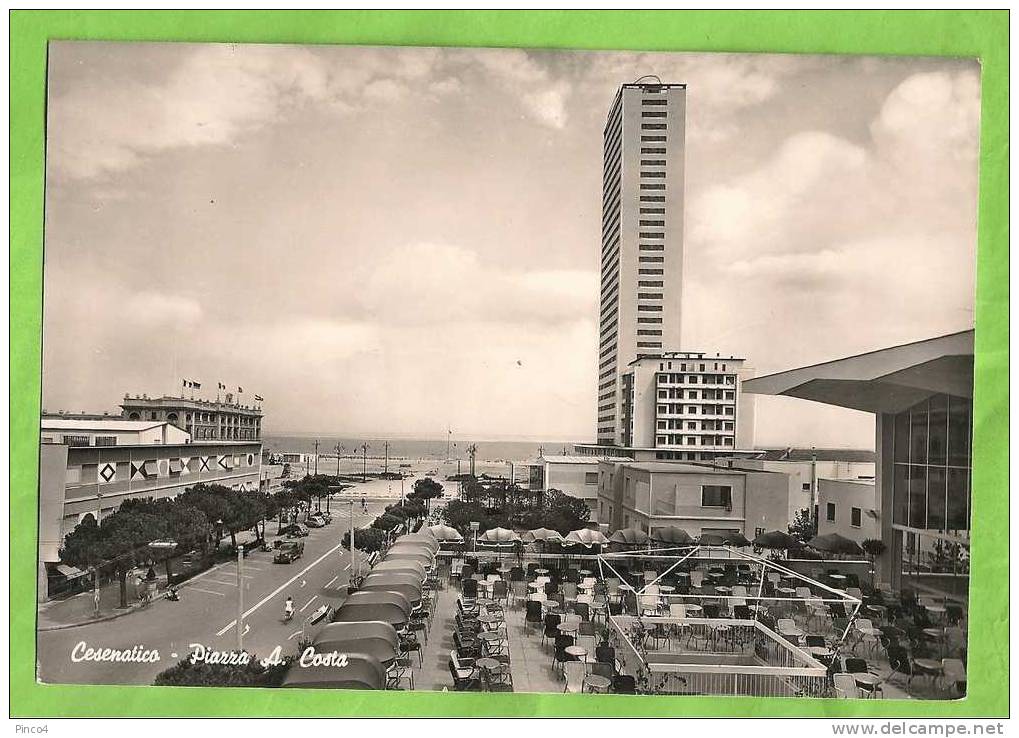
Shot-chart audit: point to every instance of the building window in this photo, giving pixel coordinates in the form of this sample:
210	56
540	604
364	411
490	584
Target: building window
76	441
591	477
713	495
653	138
653	114
106	440
653	126
855	515
806	486
829	513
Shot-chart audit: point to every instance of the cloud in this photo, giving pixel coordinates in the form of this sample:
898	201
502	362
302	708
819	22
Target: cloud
213	94
439	284
156	308
542	96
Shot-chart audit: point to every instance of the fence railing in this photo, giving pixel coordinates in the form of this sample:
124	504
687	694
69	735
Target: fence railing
719	657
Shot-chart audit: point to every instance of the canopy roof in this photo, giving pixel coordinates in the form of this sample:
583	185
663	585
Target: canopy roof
889	380
362	629
362	671
387	612
377	647
394	577
403	567
422	557
379	598
411	591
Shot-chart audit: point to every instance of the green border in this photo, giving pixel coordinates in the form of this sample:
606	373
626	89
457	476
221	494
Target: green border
982	34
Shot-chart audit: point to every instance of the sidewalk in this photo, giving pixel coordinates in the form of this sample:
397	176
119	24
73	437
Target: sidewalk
79	609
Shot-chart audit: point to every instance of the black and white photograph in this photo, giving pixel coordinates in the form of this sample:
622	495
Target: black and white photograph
507	370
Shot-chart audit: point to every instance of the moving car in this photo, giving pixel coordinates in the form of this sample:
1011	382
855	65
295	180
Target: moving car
315	521
289	552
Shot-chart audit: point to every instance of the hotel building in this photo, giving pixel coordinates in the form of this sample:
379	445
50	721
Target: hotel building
642	237
921	395
204	420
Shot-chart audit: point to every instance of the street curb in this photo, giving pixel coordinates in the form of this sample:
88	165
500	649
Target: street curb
67	626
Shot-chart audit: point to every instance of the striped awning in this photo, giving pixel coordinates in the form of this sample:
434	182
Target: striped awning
70	571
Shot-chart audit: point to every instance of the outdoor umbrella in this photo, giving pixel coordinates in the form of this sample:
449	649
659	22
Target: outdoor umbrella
499	535
361	671
834	543
776	539
735	539
586	537
629	536
711	539
673	535
541	534
445	533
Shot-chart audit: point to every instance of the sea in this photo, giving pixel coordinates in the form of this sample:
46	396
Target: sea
416	449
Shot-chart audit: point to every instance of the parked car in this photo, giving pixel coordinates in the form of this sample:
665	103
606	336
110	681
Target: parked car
315	521
294	530
289	552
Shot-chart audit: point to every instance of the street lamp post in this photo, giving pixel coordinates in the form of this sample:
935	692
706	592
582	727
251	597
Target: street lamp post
240	598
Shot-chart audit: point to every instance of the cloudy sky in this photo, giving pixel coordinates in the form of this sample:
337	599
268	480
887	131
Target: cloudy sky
400	240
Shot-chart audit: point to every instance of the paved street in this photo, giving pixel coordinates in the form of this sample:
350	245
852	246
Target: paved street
207	611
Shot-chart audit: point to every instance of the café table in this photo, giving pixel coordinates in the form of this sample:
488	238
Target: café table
577	652
868	682
488	666
567	628
597	683
930	667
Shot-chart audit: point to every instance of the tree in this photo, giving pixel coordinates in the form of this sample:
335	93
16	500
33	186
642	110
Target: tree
125	537
214	506
803	527
83	546
387	522
427	489
368	540
201	674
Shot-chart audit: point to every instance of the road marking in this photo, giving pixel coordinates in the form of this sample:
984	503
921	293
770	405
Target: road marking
332	580
294	634
283	586
314	597
207	591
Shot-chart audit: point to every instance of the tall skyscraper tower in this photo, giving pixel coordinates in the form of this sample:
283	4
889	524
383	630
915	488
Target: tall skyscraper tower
642	236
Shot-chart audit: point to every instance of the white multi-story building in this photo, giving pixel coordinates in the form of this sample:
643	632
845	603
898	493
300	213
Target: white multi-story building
687	404
642	236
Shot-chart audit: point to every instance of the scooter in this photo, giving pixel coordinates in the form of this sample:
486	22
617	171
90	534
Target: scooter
172	595
288	615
